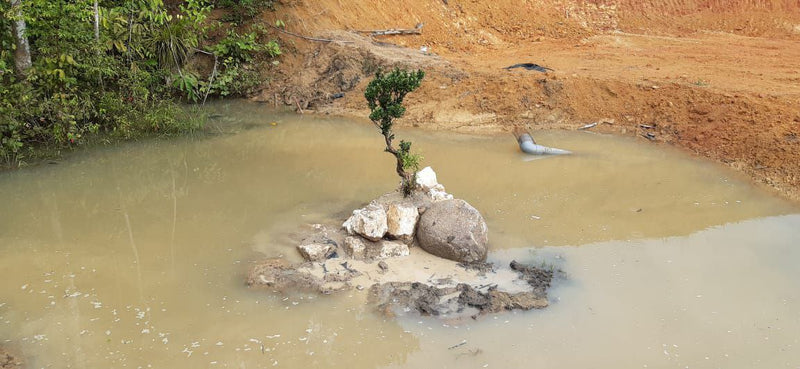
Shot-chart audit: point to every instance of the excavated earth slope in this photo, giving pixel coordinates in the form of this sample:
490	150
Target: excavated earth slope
718	78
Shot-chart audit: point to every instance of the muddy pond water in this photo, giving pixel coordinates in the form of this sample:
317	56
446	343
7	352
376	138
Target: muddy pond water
134	256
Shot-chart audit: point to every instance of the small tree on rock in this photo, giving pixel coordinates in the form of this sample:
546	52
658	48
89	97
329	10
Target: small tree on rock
385	96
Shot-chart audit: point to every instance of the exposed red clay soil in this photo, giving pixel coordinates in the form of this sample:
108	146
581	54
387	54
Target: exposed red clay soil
718	78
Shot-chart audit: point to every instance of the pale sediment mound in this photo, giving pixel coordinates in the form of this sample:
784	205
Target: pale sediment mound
418	283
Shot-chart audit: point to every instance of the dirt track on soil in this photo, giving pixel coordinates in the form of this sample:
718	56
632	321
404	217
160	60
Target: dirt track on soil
718	78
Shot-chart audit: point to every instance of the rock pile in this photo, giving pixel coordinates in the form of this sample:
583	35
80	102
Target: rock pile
430	217
372	249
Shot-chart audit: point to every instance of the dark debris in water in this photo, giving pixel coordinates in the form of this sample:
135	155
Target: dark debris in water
480	266
462	299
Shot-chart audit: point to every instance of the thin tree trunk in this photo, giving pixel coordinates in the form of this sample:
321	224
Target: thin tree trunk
96	21
130	38
22	56
405	177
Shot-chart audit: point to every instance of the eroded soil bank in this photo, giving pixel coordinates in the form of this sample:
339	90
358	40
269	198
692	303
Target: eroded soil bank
719	79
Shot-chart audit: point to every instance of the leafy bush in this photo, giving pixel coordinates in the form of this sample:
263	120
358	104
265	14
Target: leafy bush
234	79
238	73
243	10
238	48
385	95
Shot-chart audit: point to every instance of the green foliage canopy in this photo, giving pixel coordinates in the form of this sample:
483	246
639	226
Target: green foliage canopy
123	83
385	95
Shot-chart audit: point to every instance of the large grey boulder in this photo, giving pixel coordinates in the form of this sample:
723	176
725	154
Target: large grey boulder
369	222
454	230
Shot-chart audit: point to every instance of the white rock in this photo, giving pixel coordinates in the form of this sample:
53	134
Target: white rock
369	222
316	251
392	249
426	178
437	193
355	247
401	220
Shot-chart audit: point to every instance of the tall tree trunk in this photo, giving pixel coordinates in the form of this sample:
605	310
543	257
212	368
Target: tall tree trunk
22	56
96	21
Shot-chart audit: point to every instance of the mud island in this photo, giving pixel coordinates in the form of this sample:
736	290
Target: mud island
424	253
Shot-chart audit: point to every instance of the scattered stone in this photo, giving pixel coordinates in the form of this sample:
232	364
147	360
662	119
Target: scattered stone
8	360
454	230
426	181
495	301
480	266
341	275
278	274
437	193
389	249
521	287
355	247
414	296
317	251
462	299
538	278
369	222
445	227
402	221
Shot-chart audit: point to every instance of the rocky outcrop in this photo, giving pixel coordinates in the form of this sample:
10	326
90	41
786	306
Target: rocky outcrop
368	222
463	299
426	179
390	249
454	230
359	255
437	193
401	219
426	182
443	226
316	251
279	274
355	247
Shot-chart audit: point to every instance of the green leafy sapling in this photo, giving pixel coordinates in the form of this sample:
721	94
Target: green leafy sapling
385	96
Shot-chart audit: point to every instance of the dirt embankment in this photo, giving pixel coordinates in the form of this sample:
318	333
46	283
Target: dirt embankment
718	78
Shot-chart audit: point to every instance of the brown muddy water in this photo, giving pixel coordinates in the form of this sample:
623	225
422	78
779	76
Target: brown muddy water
134	256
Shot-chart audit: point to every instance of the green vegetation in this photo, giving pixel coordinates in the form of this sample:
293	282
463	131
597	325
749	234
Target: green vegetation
385	96
117	69
243	10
